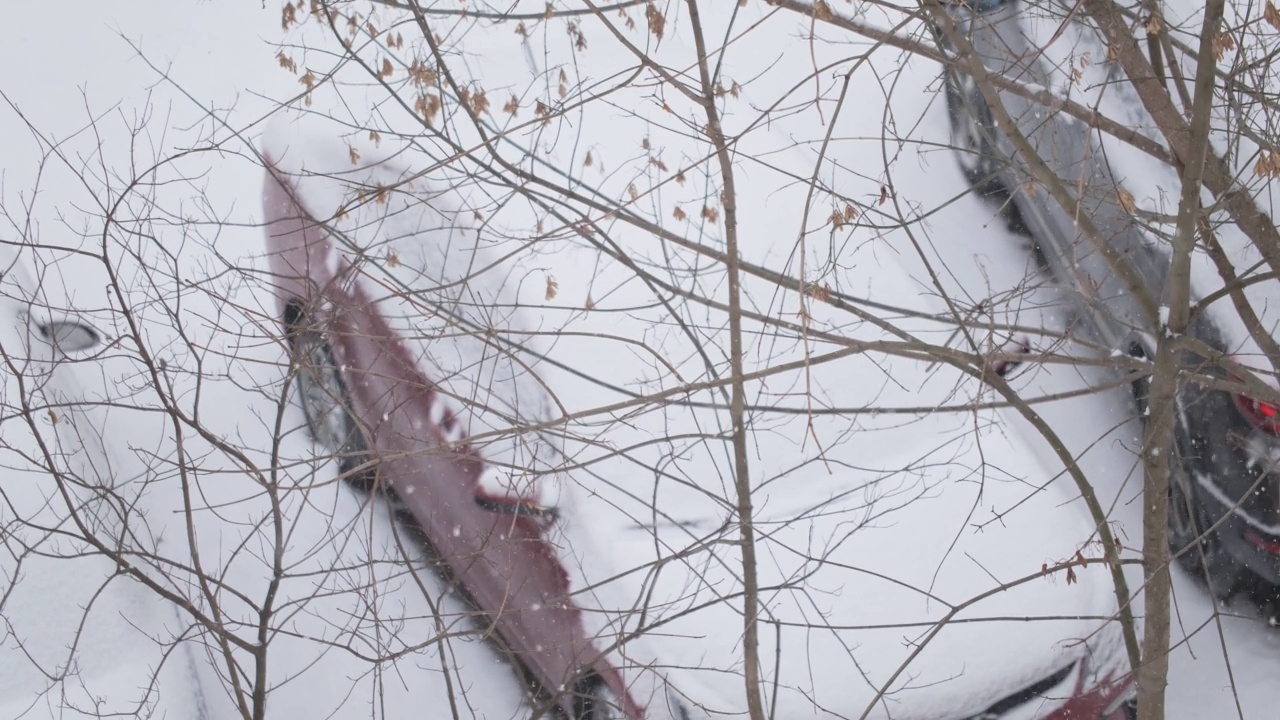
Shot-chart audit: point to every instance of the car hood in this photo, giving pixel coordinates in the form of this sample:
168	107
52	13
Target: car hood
900	560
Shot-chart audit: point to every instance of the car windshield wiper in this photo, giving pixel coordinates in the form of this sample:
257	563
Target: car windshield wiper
1023	696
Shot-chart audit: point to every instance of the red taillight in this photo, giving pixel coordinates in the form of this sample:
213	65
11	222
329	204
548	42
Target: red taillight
1264	416
1108	700
1264	543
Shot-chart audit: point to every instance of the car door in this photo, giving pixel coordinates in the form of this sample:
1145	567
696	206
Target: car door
1114	273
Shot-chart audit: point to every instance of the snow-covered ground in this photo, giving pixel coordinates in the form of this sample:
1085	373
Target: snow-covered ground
226	79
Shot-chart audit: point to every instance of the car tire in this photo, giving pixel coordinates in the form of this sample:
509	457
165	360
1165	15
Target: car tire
594	700
1189	543
1185	526
972	134
322	395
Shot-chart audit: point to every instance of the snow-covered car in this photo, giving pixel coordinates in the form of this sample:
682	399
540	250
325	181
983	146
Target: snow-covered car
1224	512
409	378
64	604
416	372
98	546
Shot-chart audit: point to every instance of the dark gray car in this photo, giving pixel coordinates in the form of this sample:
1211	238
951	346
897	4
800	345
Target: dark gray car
1225	486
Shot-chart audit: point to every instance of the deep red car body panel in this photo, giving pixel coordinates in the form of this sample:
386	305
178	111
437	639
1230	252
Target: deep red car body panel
1103	701
502	561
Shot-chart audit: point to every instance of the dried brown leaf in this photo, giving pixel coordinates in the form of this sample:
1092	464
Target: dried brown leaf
553	287
657	23
422	74
1126	200
679	213
1271	15
1155	25
287	62
1223	43
428	106
1262	168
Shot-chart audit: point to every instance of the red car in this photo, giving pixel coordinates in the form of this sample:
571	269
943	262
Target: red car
406	373
397	428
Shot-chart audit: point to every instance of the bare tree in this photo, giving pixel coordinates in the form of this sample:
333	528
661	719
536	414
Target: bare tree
706	299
